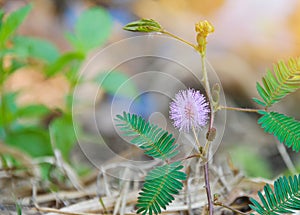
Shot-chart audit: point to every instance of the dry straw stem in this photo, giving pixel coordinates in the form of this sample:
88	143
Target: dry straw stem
23	158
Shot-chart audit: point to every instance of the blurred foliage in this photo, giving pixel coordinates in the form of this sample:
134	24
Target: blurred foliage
11	23
89	34
28	48
115	82
248	159
37	129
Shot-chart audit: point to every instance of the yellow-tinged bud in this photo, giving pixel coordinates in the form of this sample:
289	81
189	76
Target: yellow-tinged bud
203	28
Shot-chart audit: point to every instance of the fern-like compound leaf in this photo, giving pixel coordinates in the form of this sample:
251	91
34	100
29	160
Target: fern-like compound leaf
285	128
284	80
156	142
284	199
160	185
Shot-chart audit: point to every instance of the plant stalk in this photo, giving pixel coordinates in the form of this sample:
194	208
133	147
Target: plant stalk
179	38
238	109
208	190
211	121
196	137
3	75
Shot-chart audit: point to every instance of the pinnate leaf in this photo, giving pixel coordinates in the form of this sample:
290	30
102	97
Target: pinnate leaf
285	128
276	85
285	198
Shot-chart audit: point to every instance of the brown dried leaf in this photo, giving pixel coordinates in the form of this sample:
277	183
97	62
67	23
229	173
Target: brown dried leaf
35	88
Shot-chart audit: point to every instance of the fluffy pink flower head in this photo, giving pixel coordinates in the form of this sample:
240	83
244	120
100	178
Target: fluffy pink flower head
189	109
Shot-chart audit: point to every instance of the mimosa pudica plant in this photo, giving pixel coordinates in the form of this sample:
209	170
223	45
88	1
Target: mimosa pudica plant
191	111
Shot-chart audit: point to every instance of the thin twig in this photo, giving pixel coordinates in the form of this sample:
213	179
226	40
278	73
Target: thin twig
221	179
192	156
61	164
52	210
124	189
229	208
206	147
26	161
238	109
102	204
68	195
285	157
196	137
178	38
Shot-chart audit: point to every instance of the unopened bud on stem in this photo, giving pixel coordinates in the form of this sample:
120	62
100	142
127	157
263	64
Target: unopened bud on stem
203	28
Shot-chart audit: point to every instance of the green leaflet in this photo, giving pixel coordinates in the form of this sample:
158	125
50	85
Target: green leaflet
144	25
92	30
156	142
161	184
64	61
284	199
63	134
32	111
33	140
12	22
285	80
285	128
29	47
